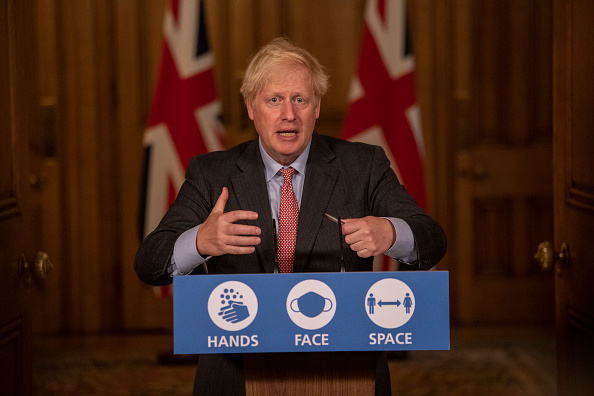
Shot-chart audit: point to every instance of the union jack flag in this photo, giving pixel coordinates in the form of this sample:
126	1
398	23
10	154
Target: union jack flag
184	118
382	105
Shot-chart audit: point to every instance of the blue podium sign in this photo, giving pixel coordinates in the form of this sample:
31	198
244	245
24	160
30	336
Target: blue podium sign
311	312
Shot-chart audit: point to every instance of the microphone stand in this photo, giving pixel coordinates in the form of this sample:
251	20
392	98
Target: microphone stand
275	270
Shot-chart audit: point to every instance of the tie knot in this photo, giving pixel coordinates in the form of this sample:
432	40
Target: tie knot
288	173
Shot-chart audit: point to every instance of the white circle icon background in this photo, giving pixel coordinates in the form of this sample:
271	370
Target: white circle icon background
328	309
232	306
390	299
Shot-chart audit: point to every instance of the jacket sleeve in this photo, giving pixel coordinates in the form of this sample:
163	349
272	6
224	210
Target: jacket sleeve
190	208
388	197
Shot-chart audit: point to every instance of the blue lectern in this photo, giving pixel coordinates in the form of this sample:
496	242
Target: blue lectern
340	320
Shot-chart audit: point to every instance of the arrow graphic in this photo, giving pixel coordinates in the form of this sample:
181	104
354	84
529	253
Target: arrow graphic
397	303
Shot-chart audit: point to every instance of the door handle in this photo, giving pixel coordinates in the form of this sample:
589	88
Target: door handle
546	256
42	265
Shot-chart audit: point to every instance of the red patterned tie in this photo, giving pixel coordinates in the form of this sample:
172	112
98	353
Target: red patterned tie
288	215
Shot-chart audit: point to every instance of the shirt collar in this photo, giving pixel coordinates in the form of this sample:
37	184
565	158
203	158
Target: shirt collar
272	167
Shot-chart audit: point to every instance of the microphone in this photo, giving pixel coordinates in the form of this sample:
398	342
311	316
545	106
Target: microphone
342	266
275	270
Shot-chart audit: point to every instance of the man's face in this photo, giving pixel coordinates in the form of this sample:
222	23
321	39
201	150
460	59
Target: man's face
285	113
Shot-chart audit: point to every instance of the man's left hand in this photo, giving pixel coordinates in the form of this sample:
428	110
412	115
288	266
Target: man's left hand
369	236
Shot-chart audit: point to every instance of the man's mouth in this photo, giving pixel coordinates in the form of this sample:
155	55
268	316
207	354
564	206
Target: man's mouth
287	133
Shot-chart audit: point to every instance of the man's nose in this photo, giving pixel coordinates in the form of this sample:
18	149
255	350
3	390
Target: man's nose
287	111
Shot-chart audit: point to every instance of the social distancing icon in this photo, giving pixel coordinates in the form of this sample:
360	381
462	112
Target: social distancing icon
389	303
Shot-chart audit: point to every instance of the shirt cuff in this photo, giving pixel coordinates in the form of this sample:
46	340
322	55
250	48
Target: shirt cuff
185	256
403	248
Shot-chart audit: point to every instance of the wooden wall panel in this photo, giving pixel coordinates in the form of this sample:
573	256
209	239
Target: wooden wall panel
435	28
505	161
86	131
138	33
511	75
483	79
45	174
79	165
99	88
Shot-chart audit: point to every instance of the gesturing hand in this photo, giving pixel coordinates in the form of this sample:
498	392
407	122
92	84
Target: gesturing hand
369	236
219	234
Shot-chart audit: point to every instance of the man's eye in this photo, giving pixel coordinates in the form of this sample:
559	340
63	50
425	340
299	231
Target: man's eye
274	100
300	100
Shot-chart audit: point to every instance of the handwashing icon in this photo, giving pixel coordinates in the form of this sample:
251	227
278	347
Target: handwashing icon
311	304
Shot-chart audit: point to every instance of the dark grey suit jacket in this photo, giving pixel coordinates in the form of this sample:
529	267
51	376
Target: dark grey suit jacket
344	179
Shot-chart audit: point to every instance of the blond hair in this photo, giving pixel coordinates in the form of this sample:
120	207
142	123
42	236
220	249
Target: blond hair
280	51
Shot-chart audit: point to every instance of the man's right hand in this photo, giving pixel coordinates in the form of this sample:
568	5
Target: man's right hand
220	235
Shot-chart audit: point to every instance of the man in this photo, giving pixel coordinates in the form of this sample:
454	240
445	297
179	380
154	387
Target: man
221	221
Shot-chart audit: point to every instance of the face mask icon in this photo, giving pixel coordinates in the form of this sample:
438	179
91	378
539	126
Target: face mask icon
311	304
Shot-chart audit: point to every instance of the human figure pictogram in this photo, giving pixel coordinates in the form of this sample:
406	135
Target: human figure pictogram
371	304
407	303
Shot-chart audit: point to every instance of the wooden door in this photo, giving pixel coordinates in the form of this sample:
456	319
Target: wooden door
502	88
17	106
574	194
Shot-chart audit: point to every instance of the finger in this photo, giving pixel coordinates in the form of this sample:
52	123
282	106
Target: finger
234	229
221	201
361	248
357	246
350	239
364	253
238	240
350	226
236	215
356	236
240	249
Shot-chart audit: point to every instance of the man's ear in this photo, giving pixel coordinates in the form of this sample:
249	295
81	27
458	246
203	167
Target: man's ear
250	110
318	108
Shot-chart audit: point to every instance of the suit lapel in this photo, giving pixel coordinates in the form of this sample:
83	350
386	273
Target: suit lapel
320	180
251	193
